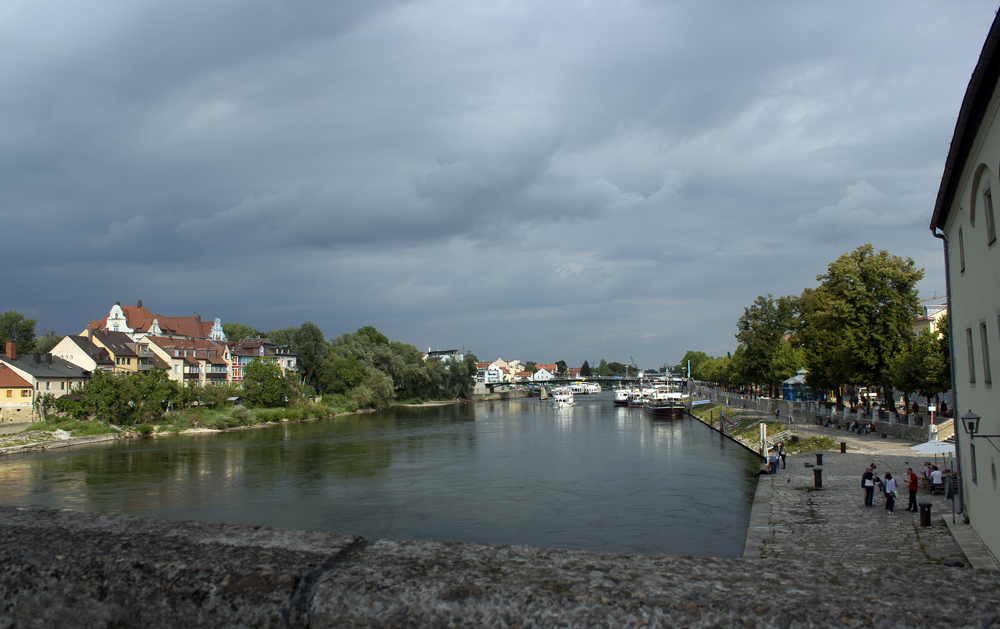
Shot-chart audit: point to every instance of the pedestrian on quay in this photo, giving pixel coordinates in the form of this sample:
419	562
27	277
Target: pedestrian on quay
776	413
890	492
913	485
772	461
868	482
782	453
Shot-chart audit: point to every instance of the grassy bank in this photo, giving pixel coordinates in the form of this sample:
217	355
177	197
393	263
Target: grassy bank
792	446
44	431
239	416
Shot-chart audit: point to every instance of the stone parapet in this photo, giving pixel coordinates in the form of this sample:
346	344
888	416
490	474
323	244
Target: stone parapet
67	569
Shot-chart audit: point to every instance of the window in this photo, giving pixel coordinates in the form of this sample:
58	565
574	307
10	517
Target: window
177	368
10	393
62	385
991	230
987	376
961	251
25	392
972	359
48	385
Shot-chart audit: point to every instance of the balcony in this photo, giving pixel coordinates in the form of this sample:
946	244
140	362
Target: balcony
191	376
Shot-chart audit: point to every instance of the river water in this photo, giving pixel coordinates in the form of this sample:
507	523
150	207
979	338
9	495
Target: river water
591	476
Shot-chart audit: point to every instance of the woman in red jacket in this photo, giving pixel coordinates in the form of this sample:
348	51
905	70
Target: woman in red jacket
914	484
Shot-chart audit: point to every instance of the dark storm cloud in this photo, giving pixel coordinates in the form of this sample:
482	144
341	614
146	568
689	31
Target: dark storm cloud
537	180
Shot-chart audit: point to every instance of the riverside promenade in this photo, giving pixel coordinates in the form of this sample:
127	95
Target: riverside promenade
791	518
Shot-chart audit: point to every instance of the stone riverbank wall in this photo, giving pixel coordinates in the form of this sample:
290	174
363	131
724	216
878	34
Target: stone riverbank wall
71	569
482	394
62	443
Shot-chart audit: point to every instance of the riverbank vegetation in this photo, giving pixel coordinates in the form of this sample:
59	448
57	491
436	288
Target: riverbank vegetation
360	371
853	330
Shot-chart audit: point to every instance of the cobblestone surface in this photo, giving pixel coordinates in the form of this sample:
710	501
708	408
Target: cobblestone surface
793	518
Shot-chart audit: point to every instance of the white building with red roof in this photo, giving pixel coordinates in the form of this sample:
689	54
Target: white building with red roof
138	322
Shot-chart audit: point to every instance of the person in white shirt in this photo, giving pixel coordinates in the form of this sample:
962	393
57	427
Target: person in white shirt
936	476
890	493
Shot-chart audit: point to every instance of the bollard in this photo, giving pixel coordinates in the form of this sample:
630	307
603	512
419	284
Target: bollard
818	477
925	514
843	447
819	458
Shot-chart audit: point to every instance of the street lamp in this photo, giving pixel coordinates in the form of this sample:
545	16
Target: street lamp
970	421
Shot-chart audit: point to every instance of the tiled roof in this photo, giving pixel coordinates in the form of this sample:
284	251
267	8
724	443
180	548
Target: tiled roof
10	380
58	368
98	353
139	318
118	343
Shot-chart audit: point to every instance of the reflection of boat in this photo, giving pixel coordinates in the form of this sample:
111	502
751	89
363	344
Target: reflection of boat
562	396
666	400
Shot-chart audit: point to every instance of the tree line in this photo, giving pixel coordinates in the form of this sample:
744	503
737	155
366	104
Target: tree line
853	330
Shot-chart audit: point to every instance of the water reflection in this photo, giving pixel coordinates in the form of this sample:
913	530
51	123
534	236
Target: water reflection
518	472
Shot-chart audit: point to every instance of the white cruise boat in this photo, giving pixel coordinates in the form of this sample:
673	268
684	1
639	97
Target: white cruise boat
562	397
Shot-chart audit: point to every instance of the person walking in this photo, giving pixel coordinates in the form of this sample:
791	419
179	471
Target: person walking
890	492
782	453
868	482
913	485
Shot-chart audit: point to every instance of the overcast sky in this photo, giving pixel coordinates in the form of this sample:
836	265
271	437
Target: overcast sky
534	180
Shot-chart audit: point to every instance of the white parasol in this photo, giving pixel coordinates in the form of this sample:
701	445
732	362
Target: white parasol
934	447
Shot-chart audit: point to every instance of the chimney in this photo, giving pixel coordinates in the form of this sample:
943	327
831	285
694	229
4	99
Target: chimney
48	358
38	357
138	304
12	350
90	334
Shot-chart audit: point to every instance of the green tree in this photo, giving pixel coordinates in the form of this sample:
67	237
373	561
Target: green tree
148	394
531	366
462	375
602	369
264	384
787	361
106	398
617	369
585	369
15	327
374	336
47	341
761	329
937	363
696	360
236	332
340	375
862	316
561	366
311	348
282	336
926	367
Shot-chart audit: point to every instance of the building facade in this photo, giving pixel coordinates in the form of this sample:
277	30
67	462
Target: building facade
964	219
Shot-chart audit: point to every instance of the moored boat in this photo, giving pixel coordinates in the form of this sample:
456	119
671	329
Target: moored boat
665	401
